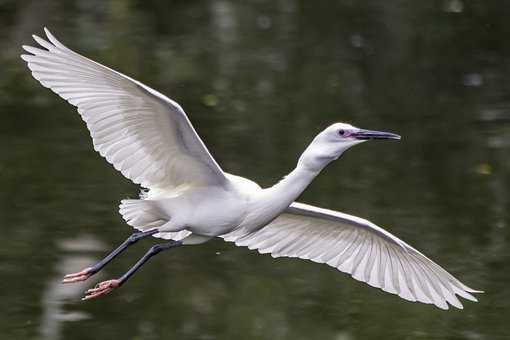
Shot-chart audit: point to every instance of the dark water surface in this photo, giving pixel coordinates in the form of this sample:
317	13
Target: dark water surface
259	79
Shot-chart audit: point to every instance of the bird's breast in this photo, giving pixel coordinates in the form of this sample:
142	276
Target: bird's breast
262	210
215	212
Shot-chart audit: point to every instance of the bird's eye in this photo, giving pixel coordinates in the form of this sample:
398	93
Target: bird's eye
341	132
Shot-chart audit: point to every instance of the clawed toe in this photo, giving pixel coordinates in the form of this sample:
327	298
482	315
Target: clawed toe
102	288
79	276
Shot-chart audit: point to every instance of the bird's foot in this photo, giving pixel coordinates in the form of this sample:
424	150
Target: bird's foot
79	276
102	288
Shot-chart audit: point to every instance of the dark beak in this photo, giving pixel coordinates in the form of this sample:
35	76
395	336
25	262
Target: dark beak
369	134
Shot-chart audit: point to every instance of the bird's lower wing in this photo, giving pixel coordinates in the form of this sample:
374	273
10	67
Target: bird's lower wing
144	134
357	247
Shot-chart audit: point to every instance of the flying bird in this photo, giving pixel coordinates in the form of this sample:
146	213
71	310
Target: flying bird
189	199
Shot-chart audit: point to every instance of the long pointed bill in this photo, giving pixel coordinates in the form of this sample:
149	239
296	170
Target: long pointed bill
369	134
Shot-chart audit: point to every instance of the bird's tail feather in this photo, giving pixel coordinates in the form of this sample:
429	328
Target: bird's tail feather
144	214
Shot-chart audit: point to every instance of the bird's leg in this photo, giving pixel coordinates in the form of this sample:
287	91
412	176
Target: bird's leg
106	287
89	271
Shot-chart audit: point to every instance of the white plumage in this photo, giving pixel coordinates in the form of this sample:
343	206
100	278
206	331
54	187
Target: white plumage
357	247
149	139
142	133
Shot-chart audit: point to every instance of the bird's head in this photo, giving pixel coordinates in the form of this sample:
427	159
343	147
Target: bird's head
334	140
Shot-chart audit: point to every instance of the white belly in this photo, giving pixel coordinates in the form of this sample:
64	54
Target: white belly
213	213
208	211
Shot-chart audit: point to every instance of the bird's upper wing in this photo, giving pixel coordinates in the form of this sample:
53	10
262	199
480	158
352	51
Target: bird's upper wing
357	247
144	134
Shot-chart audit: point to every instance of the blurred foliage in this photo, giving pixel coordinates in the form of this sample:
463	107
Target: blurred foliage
259	79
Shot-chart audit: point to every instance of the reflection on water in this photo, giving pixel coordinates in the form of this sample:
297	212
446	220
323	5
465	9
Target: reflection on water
259	79
76	255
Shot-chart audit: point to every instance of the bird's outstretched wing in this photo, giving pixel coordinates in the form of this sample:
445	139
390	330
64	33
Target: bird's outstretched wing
357	247
144	134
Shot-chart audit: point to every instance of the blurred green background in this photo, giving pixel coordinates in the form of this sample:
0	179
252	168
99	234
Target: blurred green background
259	79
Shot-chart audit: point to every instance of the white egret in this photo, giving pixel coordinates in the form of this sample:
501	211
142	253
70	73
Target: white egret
190	199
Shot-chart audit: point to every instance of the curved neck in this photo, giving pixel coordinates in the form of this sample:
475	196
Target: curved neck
309	165
274	200
283	193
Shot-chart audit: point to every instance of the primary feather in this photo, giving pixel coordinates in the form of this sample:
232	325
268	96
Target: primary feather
142	133
358	247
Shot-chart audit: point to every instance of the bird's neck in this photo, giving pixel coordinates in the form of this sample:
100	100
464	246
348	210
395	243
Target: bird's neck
310	164
274	200
283	193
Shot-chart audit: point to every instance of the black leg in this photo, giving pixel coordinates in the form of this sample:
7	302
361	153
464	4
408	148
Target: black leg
88	272
154	250
106	287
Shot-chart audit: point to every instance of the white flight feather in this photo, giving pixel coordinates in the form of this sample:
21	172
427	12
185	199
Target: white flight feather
358	247
142	133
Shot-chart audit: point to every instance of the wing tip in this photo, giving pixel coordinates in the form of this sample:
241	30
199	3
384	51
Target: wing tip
54	40
474	291
26	48
47	32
